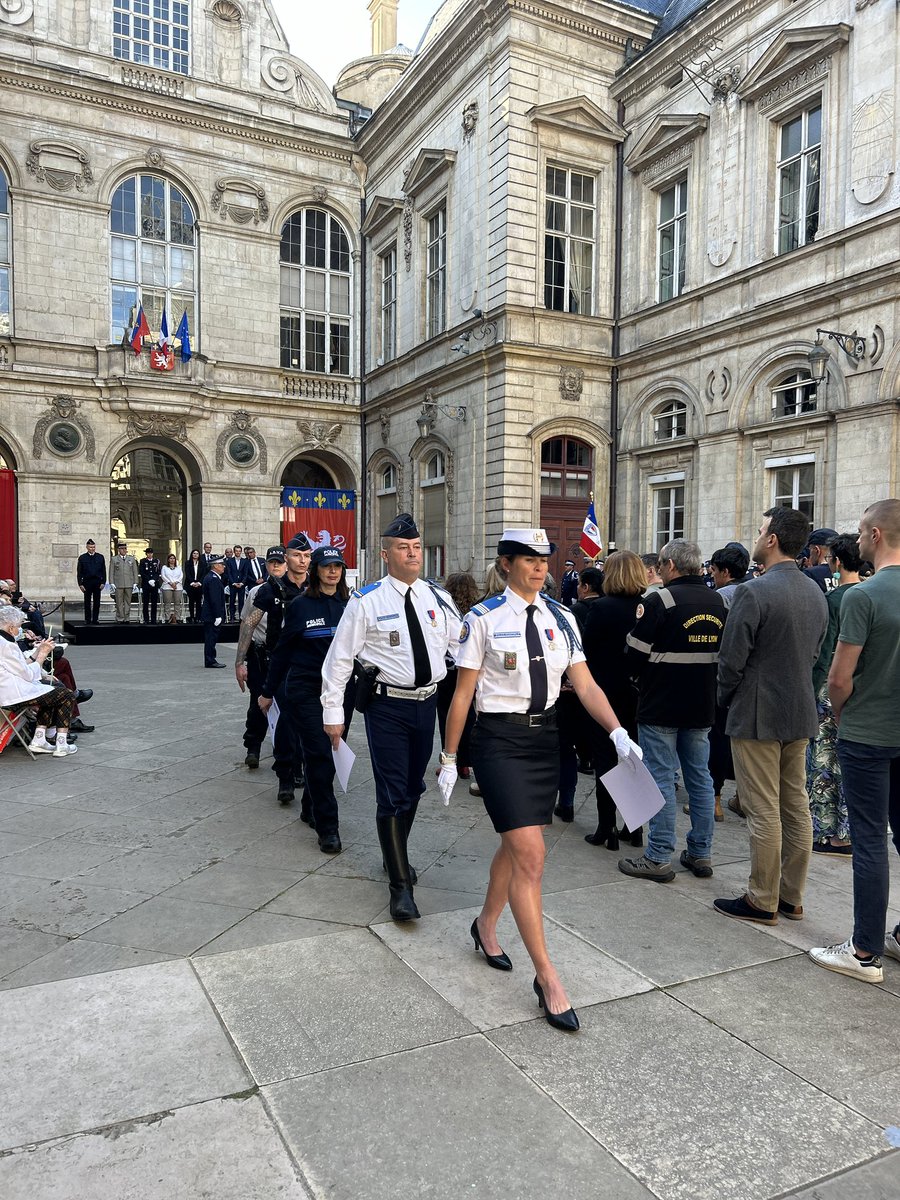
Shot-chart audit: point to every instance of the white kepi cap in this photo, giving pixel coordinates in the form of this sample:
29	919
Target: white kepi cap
525	541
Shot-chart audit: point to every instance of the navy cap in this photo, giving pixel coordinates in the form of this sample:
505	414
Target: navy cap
402	526
90	542
299	542
327	556
148	551
216	558
275	554
821	537
737	546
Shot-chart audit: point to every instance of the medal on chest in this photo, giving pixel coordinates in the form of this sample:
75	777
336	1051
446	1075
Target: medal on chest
432	616
394	637
509	660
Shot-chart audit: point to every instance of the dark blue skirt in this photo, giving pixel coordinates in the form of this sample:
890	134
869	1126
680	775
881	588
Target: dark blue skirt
517	769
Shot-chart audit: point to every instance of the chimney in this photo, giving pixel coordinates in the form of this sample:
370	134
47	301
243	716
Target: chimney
384	25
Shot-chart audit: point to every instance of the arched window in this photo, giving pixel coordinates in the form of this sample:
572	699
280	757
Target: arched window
433	525
670	421
5	260
315	294
152	255
566	468
794	395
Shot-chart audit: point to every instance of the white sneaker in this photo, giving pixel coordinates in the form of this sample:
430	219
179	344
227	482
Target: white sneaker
41	747
891	945
63	750
842	959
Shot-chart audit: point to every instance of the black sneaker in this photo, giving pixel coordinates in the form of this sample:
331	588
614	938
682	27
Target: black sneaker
252	759
701	867
285	796
829	848
646	868
742	910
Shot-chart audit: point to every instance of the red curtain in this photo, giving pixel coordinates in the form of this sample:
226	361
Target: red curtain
8	549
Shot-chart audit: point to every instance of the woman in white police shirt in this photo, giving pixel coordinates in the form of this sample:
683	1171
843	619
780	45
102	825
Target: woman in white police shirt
514	650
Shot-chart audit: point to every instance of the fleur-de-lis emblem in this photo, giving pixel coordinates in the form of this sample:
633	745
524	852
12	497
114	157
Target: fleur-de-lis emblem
294	498
343	500
319	499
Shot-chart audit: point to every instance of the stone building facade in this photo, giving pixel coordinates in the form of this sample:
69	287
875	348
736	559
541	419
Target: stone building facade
170	154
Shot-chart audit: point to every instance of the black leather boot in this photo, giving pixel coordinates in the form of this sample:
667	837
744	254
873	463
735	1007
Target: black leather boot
392	835
407	818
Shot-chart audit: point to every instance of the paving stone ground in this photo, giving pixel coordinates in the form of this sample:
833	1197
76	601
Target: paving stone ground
195	1002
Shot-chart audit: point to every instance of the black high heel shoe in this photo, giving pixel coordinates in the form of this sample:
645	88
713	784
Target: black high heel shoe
500	962
567	1021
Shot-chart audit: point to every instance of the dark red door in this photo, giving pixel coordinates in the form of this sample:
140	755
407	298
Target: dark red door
567	477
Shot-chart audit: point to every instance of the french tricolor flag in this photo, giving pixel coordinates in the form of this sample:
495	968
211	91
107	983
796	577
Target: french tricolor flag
140	331
591	542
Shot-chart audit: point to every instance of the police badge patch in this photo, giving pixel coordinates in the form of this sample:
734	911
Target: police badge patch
639	611
509	660
394	638
464	632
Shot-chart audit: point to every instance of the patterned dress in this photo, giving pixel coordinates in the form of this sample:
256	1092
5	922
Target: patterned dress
827	805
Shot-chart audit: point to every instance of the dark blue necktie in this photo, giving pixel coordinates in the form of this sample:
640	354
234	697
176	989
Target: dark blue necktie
537	667
421	661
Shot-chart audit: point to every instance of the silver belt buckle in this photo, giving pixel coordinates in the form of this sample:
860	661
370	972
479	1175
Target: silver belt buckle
535	719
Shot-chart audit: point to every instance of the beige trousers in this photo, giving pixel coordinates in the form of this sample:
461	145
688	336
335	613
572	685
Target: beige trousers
122	600
771	782
172	603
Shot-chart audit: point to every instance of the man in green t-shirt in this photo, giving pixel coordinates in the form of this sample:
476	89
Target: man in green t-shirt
864	686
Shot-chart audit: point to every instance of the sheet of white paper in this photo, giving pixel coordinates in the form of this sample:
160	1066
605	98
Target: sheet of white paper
634	790
272	718
344	758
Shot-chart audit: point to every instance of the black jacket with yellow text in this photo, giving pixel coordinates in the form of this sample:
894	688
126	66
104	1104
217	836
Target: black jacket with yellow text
673	651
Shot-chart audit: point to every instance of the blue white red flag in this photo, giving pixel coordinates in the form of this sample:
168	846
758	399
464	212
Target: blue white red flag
184	336
591	542
140	331
164	338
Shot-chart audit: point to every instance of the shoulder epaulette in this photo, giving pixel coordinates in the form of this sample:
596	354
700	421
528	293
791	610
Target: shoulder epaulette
488	605
370	587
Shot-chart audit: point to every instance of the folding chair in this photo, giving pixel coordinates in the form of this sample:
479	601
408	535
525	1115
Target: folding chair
10	729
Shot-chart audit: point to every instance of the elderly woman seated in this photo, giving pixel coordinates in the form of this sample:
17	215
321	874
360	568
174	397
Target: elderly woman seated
23	685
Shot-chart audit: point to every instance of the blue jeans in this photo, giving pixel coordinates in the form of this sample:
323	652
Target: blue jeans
664	748
871	779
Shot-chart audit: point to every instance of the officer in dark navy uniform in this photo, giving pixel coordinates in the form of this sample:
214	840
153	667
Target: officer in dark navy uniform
295	673
402	627
212	611
150	571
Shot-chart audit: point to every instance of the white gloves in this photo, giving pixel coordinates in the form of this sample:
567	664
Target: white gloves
446	781
218	621
624	745
151	582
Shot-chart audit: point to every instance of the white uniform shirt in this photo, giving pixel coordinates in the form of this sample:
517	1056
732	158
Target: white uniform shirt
374	630
492	642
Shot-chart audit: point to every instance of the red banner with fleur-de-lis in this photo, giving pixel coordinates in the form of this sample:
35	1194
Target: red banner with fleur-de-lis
326	515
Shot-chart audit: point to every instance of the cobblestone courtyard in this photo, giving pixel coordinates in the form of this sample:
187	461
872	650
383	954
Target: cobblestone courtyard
195	1002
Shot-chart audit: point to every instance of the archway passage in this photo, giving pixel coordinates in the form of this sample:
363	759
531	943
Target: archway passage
567	479
8	516
304	473
312	503
147	498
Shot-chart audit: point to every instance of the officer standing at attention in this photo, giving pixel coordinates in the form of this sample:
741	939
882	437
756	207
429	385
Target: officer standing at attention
271	601
91	576
212	611
123	575
150	570
404	627
568	585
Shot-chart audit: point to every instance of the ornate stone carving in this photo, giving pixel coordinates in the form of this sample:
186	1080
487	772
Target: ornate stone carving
314	387
870	153
227	12
796	83
407	221
725	83
469	120
283	74
666	162
718	385
240	200
385	427
16	12
449	480
571	383
320	194
60	165
157	82
240	425
155	159
4	357
318	434
157	425
63	409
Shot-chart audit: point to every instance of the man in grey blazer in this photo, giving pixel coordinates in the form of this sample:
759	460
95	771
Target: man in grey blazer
772	637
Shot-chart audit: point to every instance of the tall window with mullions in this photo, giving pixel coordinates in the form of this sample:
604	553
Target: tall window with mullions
5	259
315	294
799	178
569	233
672	240
152	256
155	33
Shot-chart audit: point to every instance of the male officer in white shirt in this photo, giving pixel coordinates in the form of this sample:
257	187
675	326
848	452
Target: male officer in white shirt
404	627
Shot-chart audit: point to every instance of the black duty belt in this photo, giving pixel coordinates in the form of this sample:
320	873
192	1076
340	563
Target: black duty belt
532	720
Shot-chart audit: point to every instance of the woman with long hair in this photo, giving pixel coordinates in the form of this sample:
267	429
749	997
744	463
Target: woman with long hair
310	622
193	586
172	591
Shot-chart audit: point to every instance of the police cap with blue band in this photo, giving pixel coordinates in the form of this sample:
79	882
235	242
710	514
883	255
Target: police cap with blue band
299	542
402	526
524	541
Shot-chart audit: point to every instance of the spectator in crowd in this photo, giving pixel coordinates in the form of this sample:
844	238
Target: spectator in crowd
23	685
235	579
212	613
673	649
651	566
609	621
150	571
590	588
172	589
728	569
206	559
568	585
827	807
123	575
816	553
90	575
772	638
193	586
864	688
256	570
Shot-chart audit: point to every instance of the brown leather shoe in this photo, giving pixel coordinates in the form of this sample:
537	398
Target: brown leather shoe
793	912
719	815
734	805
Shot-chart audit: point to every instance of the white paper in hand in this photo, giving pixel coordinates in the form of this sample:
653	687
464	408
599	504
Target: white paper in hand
344	758
634	790
272	718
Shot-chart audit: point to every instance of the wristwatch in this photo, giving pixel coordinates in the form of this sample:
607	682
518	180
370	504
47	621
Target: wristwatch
447	760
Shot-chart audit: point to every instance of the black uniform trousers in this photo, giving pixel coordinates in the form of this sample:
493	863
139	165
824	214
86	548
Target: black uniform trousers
257	725
288	754
401	738
302	711
150	600
194	599
210	637
92	602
